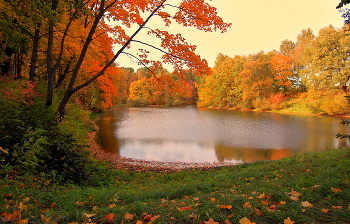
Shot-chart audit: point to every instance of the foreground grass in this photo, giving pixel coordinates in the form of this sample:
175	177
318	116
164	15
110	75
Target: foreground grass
263	192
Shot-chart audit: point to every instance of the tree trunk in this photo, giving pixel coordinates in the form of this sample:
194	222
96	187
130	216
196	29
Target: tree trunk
5	67
34	58
50	73
63	76
61	111
19	66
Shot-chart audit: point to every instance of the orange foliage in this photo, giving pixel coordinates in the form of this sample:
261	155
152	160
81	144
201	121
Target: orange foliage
282	66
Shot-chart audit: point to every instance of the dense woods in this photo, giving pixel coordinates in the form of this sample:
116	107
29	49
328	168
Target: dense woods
310	75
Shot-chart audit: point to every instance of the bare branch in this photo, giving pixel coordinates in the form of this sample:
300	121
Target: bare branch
167	53
144	65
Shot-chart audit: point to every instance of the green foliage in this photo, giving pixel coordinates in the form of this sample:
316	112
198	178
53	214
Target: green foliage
32	141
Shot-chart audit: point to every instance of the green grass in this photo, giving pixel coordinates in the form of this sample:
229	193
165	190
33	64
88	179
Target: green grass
321	178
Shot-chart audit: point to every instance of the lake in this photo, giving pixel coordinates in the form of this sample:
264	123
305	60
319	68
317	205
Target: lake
191	134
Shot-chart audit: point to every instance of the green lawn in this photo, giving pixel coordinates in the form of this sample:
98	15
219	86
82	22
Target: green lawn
310	188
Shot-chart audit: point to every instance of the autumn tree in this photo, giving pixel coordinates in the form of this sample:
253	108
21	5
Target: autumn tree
326	60
303	41
282	67
257	80
287	48
177	51
223	87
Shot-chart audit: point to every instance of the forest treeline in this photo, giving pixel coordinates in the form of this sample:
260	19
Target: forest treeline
311	75
308	76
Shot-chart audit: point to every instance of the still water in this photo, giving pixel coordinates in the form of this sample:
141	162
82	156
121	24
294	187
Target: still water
190	134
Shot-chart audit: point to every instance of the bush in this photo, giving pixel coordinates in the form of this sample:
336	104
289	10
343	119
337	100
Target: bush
335	104
32	142
137	102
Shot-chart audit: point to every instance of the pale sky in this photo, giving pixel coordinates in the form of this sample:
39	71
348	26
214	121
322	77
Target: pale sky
257	25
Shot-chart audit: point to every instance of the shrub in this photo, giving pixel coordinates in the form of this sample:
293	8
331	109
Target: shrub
335	104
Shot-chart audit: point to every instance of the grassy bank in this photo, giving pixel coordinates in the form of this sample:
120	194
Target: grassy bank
311	188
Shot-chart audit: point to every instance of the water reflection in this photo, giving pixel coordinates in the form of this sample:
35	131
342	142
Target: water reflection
190	134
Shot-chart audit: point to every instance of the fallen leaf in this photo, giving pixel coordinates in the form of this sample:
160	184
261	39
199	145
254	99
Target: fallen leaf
227	222
264	202
184	208
147	217
139	222
245	221
324	210
109	218
231	215
306	204
246	205
211	221
259	212
112	206
128	216
293	198
337	207
88	216
294	193
288	221
335	190
282	202
228	207
261	196
6	217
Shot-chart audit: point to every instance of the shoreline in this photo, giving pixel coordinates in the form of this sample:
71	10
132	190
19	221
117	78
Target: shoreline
148	165
276	112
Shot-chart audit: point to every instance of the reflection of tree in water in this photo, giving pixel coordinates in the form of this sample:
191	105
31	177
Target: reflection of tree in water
105	136
227	153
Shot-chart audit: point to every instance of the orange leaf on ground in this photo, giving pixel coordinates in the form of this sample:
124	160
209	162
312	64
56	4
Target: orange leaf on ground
264	202
245	221
109	218
261	196
227	222
228	207
288	221
211	221
306	204
324	210
294	193
184	208
246	205
335	190
147	217
139	222
128	216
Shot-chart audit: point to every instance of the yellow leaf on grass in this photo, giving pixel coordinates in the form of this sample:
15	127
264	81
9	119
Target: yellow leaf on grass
261	196
288	221
306	204
89	215
245	221
295	194
293	198
282	202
